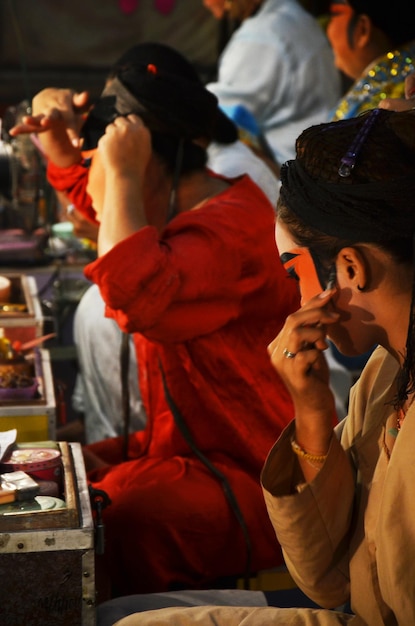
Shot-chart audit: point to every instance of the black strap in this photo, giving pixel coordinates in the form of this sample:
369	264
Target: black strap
229	494
125	389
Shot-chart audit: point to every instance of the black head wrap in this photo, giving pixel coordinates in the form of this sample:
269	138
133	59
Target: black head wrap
390	19
376	201
372	202
159	84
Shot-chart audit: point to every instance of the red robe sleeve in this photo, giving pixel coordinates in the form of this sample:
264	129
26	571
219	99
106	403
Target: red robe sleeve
73	181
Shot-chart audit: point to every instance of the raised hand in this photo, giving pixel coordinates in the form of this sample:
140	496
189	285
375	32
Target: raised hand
126	146
53	106
57	117
402	104
297	354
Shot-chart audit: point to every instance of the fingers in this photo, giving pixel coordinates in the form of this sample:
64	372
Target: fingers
38	123
396	104
130	128
402	104
303	336
33	124
76	114
81	102
24	129
306	328
125	150
297	354
64	106
131	121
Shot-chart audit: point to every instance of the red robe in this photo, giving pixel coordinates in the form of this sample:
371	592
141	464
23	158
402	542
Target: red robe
204	298
73	181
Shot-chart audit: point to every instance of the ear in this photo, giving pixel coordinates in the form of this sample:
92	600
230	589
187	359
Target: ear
363	31
353	266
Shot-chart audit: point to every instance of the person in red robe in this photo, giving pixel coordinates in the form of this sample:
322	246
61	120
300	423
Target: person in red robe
187	263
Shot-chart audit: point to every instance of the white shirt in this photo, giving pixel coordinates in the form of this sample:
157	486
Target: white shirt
235	159
279	65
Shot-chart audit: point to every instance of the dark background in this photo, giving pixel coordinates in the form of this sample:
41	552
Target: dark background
73	43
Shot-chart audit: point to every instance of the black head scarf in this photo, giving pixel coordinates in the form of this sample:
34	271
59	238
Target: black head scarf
390	19
373	201
159	84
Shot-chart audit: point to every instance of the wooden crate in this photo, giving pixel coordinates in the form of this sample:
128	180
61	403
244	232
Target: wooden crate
47	571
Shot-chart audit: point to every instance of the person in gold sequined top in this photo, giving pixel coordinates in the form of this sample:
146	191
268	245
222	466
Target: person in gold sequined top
374	45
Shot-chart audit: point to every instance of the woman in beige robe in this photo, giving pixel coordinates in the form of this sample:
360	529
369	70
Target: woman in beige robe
342	502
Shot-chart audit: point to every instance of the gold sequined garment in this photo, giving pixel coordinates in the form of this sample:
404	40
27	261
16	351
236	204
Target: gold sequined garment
385	78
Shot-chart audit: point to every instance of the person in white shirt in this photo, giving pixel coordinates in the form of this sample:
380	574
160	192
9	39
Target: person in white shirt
279	67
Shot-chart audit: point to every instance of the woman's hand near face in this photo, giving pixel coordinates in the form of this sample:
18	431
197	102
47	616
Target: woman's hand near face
123	155
306	374
125	148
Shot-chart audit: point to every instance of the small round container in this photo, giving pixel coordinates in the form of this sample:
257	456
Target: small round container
41	463
63	230
49	502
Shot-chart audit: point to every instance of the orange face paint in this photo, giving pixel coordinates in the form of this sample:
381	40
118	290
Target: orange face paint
339	8
312	276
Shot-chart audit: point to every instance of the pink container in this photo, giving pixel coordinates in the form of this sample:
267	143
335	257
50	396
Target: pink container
41	463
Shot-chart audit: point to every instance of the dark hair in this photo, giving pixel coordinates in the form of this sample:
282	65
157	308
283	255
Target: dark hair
328	246
392	19
156	82
373	203
351	27
167	146
168	85
375	198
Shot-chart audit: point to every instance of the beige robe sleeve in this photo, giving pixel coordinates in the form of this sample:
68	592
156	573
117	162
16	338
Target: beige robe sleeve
312	526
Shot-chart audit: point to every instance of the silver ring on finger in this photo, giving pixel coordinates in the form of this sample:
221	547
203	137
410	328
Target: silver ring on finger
288	354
